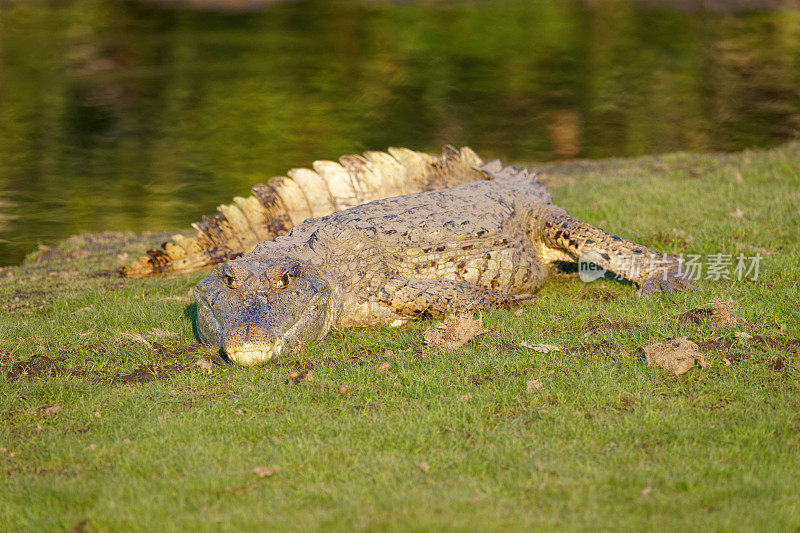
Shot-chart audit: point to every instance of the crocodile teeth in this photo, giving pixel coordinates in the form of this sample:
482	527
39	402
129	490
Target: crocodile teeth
248	355
278	349
252	357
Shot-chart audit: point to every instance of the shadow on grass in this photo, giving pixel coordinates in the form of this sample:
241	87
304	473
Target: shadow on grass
569	268
190	314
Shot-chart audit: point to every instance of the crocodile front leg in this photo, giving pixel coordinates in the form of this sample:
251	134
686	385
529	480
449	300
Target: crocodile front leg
438	297
651	270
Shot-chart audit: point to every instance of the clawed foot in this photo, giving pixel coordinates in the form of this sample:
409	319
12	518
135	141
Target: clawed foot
665	281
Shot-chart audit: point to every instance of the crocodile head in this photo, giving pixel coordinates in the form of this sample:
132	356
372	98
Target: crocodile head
256	311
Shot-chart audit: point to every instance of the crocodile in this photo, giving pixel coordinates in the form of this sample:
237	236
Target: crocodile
285	201
487	243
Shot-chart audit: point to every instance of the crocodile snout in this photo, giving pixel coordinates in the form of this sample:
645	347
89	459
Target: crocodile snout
251	344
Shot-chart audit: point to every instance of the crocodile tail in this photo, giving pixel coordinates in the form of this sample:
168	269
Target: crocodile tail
274	208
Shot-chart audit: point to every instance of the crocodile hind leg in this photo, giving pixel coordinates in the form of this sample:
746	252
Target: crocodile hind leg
438	297
562	234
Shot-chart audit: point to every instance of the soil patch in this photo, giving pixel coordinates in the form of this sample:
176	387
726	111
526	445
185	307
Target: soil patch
736	349
42	366
592	348
152	372
28	300
166	352
36	366
599	295
719	313
791	346
777	364
365	353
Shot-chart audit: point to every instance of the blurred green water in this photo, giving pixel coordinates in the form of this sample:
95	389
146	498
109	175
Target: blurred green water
117	116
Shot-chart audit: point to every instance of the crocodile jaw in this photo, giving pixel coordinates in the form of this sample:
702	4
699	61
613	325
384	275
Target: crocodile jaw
249	355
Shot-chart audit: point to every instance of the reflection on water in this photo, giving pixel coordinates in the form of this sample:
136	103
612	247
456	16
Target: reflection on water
119	116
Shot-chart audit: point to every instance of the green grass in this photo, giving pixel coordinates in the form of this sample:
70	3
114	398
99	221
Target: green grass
606	442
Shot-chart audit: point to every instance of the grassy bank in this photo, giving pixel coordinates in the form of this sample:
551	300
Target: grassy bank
108	423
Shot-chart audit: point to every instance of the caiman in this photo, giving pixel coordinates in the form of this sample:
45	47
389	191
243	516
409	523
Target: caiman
486	243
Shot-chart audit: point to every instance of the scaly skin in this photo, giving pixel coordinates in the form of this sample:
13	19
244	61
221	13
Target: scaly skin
481	244
272	210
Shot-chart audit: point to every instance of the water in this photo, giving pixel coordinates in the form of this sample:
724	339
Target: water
118	116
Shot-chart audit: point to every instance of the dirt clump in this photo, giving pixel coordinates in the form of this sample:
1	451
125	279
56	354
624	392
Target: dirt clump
299	376
777	364
677	356
719	313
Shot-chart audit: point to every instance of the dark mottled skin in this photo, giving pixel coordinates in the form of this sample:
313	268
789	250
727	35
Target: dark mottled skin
482	244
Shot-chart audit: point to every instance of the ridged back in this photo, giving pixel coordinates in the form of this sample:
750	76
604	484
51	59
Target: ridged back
273	209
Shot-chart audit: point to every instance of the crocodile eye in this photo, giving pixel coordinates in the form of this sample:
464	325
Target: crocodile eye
229	281
286	278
